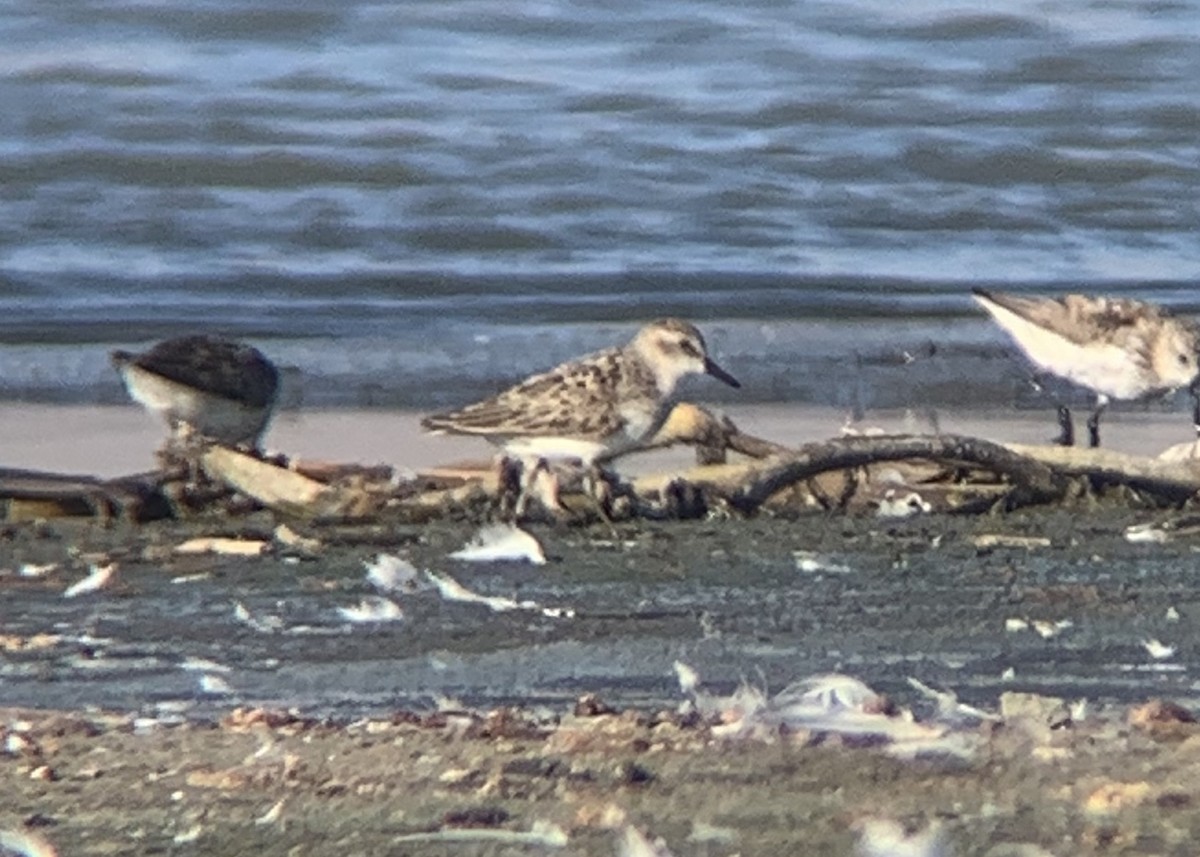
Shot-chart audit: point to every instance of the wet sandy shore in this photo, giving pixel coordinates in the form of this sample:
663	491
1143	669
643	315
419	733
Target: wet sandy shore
148	671
182	640
766	598
114	440
453	784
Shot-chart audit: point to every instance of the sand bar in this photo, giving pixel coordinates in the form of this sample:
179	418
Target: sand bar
114	440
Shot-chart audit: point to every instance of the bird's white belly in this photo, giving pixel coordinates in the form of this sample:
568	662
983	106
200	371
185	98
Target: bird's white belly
213	416
1109	371
555	448
1104	367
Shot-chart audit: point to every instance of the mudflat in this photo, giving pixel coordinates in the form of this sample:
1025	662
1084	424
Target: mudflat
106	440
456	714
227	703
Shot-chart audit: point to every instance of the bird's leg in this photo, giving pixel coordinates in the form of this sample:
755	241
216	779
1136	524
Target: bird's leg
1066	427
1196	410
179	456
1093	424
539	481
510	477
598	484
174	448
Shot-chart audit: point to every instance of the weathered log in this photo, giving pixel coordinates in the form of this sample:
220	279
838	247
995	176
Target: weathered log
747	486
35	494
273	486
1173	478
470	491
974	474
36	484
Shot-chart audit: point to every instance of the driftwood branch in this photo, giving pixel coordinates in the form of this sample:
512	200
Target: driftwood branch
946	472
275	487
1028	475
712	436
32	494
748	486
1148	474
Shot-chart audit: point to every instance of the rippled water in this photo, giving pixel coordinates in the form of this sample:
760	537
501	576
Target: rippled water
397	197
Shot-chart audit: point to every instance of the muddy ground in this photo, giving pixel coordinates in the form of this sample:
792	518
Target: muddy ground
120	700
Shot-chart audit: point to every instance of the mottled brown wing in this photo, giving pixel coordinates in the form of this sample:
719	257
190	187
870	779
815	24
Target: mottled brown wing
213	364
573	400
1079	318
1102	315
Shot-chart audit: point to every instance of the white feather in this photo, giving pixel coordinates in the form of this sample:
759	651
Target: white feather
810	562
829	693
266	625
373	608
452	590
215	685
389	573
634	844
98	578
894	506
272	815
498	542
203	665
831	703
29	569
882	837
1152	533
1158	651
188	836
948	705
689	679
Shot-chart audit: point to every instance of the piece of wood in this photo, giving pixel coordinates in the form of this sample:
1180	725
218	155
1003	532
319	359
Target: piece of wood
746	486
32	484
18	509
34	494
222	546
1149	474
333	471
464	494
712	436
273	486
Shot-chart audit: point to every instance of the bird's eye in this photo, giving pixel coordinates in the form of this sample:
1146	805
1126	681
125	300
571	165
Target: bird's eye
688	348
1184	359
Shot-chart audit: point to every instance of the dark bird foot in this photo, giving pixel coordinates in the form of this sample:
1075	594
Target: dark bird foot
1093	425
510	483
1066	427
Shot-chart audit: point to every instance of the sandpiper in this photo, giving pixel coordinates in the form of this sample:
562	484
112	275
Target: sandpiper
207	388
592	409
1118	348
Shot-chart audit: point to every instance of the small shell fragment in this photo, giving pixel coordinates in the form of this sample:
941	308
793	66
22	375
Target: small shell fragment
1157	650
98	578
273	814
223	546
373	608
390	573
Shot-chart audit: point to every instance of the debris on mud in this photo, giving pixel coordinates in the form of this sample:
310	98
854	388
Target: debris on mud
889	475
601	781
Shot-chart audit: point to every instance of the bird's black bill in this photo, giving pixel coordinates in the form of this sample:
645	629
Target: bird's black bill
720	374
